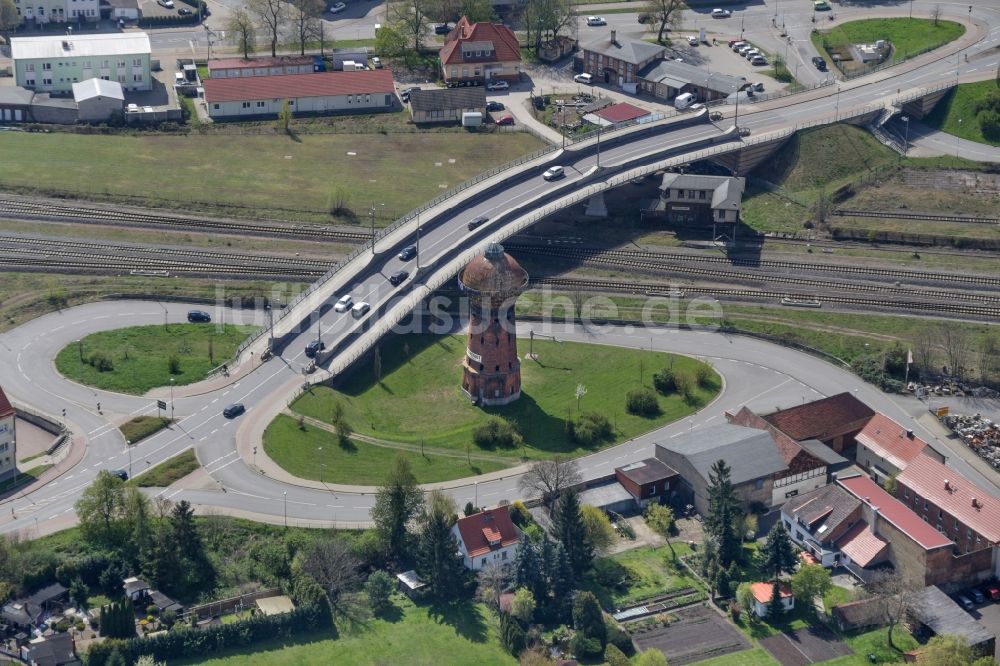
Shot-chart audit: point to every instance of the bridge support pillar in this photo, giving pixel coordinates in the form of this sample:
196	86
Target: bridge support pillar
596	206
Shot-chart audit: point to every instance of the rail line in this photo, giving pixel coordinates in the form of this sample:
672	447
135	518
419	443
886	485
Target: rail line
917	216
109	265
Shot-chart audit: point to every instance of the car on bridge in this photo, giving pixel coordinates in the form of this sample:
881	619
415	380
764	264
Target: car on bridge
408	253
314	347
821	6
721	13
554	173
234	410
337	7
120	473
344	303
360	309
744	131
819	63
478	222
398	278
199	317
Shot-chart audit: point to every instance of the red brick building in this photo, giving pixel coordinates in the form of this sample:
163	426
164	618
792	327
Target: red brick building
491	370
834	421
885	448
647	480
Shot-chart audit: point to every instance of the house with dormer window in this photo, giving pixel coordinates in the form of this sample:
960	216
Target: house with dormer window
475	53
487	536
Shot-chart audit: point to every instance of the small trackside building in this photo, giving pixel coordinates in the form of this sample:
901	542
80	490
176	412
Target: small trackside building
487	536
367	91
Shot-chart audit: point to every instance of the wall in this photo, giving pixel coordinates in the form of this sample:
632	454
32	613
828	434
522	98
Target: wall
235	72
510	70
99	109
967	539
8	451
74	68
271	107
803	483
14	113
868	461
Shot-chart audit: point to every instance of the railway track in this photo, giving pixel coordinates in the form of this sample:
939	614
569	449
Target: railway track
145	267
916	216
25	210
979	311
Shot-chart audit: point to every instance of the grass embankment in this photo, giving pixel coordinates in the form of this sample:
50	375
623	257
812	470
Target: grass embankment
408	634
168	471
960	104
24	477
142	426
145	357
909	36
253	176
419	397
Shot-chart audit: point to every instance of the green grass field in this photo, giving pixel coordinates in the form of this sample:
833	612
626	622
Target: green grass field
420	398
315	453
651	572
960	103
141	355
253	175
908	36
142	426
168	471
411	634
753	657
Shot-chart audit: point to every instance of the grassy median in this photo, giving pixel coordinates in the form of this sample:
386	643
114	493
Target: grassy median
168	471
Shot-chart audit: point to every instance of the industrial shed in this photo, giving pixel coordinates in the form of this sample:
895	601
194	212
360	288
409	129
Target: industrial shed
446	105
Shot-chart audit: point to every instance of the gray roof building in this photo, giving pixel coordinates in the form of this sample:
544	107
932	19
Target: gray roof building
15	95
628	50
679	75
727	192
938	612
443	99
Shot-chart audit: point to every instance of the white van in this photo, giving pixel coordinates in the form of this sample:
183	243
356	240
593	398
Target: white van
684	100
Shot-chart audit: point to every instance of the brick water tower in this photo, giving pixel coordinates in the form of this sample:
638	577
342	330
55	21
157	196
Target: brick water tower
491	371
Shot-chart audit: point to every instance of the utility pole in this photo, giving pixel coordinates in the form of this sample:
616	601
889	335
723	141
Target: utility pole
128	445
418	240
319	318
285	495
906	137
171	398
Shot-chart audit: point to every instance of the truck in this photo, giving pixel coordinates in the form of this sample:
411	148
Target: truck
684	100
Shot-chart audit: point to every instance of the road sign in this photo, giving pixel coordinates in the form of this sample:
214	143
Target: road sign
161	404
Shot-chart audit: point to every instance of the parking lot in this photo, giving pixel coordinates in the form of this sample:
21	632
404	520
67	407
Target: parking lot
989	615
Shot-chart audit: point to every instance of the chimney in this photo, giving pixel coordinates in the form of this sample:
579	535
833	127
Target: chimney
614	34
975	503
909	434
947	485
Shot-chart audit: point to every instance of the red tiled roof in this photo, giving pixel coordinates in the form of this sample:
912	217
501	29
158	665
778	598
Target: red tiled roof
889	440
506	48
6	409
291	86
861	544
246	63
763	592
620	113
895	511
797	459
926	477
477	529
816	419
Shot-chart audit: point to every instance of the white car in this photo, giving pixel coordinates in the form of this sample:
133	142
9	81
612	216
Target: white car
376	62
344	304
497	85
360	309
553	173
738	45
693	41
721	13
169	4
584	78
596	20
337	7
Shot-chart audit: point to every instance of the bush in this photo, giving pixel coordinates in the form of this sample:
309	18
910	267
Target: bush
686	384
589	428
705	376
379	587
497	432
610	573
101	362
642	402
619	638
663	381
989	124
169	618
587	648
174	365
152	610
520	515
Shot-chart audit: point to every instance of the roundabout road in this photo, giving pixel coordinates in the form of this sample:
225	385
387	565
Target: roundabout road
756	373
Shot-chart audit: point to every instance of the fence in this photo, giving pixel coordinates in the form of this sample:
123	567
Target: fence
896	60
221	606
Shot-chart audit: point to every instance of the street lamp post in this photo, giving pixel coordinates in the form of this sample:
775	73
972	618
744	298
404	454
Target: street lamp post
418	241
957	136
171	398
906	135
599	127
285	495
373	225
270	314
79	345
128	445
836	112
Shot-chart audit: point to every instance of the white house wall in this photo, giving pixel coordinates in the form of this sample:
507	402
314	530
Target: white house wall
271	107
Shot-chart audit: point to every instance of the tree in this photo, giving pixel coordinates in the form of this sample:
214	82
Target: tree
511	634
333	565
651	657
924	344
722	512
306	15
79	593
597	527
615	657
810	581
775	607
493	580
389	42
522	606
660	519
568	529
951	650
665	12
989	357
241	31
437	555
936	14
750	526
9	19
138	523
99	510
893	595
777	556
745	598
148	660
581	391
478	11
271	19
285	115
411	18
543	19
957	344
396	503
548	478
588	618
722	582
378	589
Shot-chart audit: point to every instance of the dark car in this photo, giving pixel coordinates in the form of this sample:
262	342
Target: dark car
234	410
495	106
820	63
405	94
314	347
398	277
199	316
978	596
478	222
408	253
184	11
442	29
120	473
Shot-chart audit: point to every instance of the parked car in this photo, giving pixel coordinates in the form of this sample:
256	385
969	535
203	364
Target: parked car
376	62
554	173
184	11
693	41
721	13
992	591
120	473
743	48
733	42
344	303
497	85
495	106
360	309
965	602
478	222
596	20
750	53
199	317
758	87
819	63
758	60
314	347
442	29
715	115
234	410
398	278
978	596
744	131
505	120
169	4
404	94
408	253
337	7
584	78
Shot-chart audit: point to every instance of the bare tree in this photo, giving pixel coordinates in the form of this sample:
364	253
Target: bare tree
924	343
545	18
306	20
493	579
894	595
270	16
957	344
548	478
9	19
665	12
241	32
331	563
936	14
411	18
989	357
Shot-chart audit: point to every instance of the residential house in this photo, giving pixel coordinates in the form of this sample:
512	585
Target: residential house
54	63
885	448
968	514
54	650
763	593
618	61
38	13
24	613
8	436
933	613
694	199
648	480
229	68
834	420
750	453
818	521
478	52
666	79
324	92
124	10
97	100
487	536
446	105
